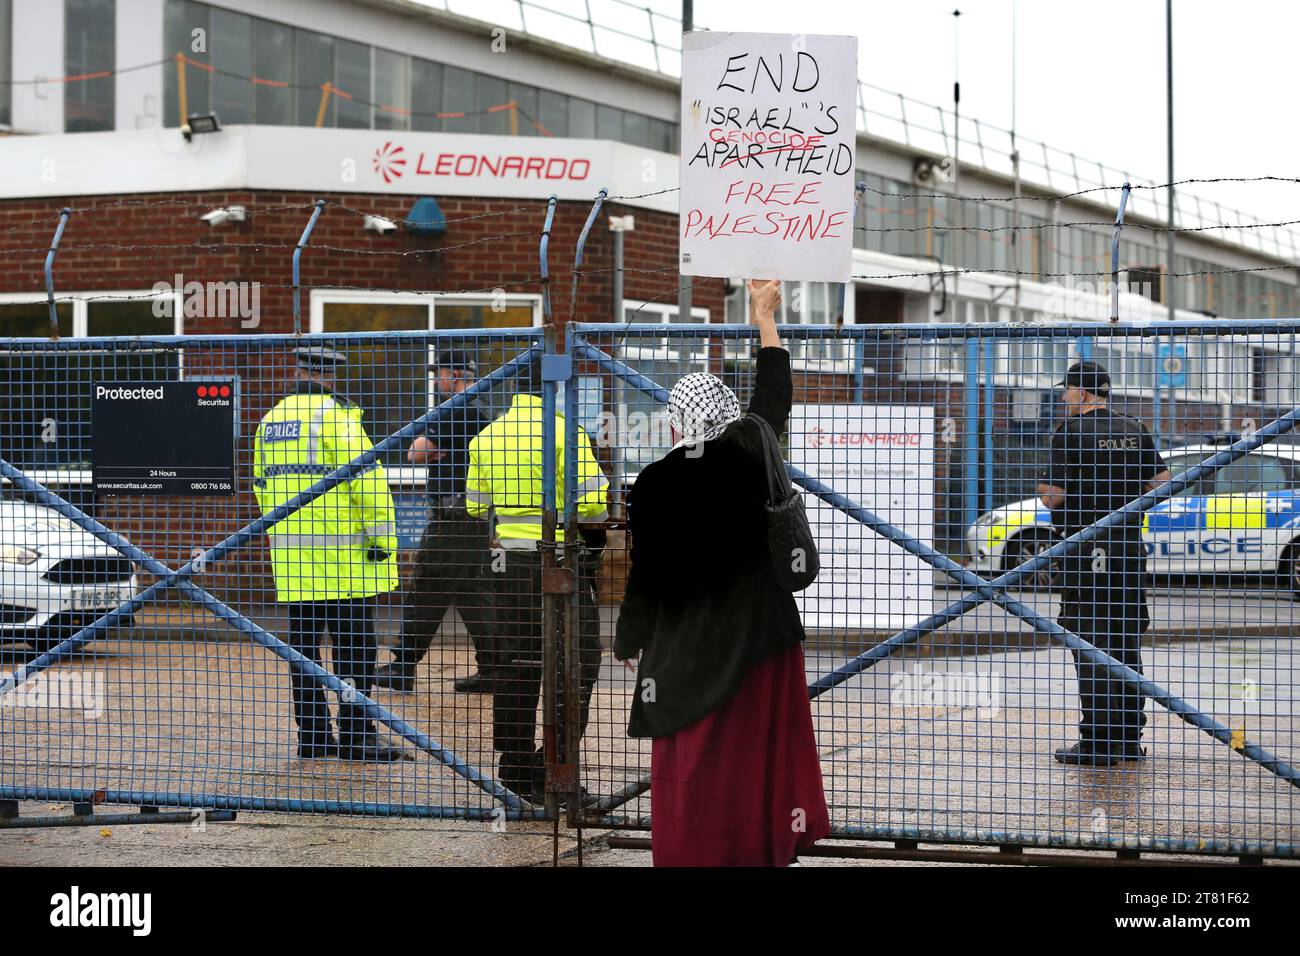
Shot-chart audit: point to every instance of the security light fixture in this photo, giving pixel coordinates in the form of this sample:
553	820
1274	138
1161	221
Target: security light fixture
200	123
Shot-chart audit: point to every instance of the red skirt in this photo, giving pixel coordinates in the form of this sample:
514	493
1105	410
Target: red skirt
742	786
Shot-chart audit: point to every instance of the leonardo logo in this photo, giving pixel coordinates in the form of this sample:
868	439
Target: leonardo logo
388	161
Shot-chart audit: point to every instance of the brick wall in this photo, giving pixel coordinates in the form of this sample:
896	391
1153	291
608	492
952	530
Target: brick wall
140	241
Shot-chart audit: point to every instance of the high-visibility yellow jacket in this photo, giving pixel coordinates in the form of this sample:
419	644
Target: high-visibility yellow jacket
505	475
318	552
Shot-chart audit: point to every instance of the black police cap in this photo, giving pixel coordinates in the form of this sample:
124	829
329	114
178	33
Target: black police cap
1088	376
457	359
316	358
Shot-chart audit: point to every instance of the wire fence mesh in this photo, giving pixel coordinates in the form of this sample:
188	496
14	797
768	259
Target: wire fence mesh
939	700
938	714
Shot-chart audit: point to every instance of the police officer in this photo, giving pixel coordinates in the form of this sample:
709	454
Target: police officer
1100	461
332	557
505	469
451	566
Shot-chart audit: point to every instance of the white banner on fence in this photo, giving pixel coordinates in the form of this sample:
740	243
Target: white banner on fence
767	146
882	458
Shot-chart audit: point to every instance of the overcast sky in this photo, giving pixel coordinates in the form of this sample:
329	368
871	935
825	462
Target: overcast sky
1090	75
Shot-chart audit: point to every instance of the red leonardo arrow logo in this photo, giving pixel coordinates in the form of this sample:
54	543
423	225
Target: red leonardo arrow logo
388	161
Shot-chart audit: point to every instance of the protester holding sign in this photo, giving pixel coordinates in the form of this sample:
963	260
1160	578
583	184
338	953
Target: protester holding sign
735	775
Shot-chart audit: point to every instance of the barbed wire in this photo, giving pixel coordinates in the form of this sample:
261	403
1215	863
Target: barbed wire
531	279
1061	197
68	247
236	245
50	219
533	206
1073	224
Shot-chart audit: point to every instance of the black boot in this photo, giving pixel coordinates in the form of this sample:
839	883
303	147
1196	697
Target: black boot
523	775
473	684
318	747
376	753
396	676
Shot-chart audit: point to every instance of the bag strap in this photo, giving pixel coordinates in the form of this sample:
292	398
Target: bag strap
778	480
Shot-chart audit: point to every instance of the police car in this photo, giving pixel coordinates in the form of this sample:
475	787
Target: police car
55	578
1242	520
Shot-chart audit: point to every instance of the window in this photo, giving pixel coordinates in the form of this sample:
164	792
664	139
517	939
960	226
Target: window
181	18
6	60
230	46
663	360
273	66
582	119
251	70
489	93
525	99
426	95
662	136
390	379
392	91
553	113
636	129
352	77
609	123
1277	378
88	48
1180	463
458	97
1251	475
313	58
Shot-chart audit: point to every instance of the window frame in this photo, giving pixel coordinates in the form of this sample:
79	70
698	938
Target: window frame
412	475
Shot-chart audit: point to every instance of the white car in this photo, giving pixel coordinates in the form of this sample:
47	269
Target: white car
55	578
1243	519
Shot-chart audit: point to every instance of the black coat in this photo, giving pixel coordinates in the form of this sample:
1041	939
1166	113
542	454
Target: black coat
702	605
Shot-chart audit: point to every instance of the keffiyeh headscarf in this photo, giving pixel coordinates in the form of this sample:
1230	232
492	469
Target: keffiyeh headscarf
700	407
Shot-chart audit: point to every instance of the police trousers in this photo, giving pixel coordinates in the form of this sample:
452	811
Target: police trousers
1108	610
517	683
451	568
351	626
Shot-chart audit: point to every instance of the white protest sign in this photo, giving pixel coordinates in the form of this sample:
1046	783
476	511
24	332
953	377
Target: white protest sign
882	458
767	152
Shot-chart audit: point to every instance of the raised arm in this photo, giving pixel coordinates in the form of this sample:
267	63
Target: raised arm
773	389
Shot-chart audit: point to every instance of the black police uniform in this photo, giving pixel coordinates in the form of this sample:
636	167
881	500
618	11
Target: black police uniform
452	562
518	684
1104	460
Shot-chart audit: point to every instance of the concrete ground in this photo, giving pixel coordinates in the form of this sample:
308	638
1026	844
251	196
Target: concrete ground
277	839
945	744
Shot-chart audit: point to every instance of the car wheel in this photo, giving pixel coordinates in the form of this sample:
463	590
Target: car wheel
1290	572
1029	544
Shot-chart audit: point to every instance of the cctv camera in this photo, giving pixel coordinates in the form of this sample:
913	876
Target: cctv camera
380	225
218	216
